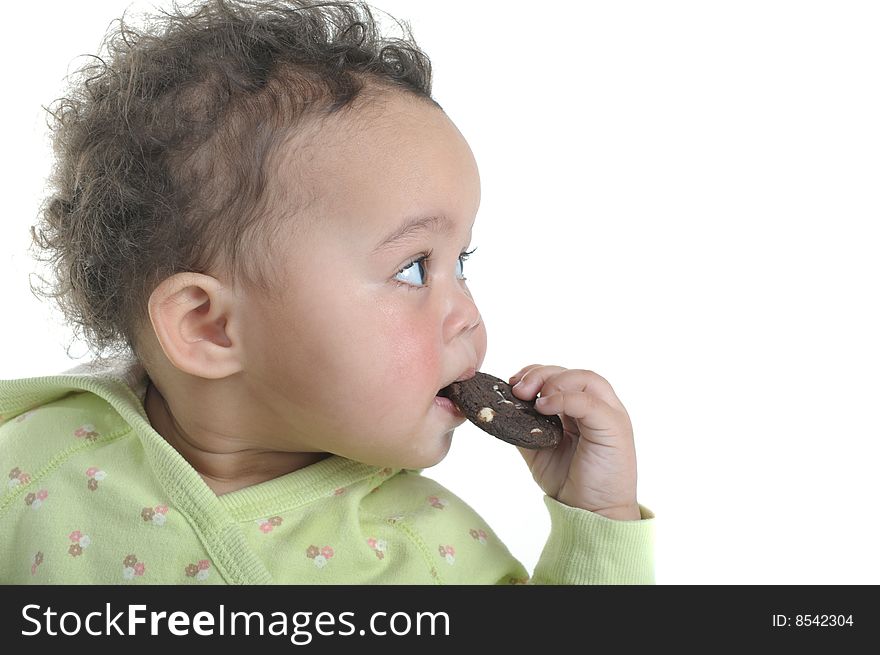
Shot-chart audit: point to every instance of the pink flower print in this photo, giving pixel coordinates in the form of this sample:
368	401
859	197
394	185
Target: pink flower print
267	525
439	503
154	515
80	543
321	557
35	500
478	535
131	567
378	546
86	431
339	491
198	571
448	552
17	477
95	475
38	559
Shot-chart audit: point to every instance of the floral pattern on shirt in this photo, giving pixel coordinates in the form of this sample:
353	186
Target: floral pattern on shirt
95	475
79	543
448	553
436	502
17	477
86	431
155	515
320	556
379	546
35	500
38	559
131	567
198	571
267	525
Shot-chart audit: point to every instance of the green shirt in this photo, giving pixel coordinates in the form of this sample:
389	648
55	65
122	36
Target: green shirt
95	495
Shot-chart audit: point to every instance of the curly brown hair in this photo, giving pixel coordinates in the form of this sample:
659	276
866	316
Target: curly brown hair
164	148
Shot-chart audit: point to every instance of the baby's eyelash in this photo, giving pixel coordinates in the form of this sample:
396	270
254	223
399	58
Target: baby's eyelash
468	253
421	257
426	256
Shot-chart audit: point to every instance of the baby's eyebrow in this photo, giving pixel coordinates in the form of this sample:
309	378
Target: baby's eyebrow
437	224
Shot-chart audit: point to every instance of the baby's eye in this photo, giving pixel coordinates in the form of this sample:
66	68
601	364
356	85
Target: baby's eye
414	273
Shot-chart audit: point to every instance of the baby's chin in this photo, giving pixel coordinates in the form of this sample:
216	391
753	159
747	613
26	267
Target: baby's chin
436	455
432	452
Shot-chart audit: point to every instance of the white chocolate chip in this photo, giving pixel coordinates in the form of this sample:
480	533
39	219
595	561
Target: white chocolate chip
486	415
494	387
536	431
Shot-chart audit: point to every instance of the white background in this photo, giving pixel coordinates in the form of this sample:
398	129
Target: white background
680	196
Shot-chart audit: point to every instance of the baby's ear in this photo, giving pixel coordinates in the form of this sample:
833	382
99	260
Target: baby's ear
190	314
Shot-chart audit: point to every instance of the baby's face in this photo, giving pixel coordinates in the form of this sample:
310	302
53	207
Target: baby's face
364	338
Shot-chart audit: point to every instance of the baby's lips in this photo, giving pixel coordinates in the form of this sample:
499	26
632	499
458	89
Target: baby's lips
467	375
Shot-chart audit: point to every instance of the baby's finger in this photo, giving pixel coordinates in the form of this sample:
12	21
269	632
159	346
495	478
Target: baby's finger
576	379
595	418
534	379
516	377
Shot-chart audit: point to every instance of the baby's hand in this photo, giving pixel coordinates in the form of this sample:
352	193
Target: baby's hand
594	465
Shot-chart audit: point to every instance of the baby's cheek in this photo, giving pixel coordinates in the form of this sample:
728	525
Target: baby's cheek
415	361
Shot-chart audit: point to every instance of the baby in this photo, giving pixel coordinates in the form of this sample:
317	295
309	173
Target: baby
263	215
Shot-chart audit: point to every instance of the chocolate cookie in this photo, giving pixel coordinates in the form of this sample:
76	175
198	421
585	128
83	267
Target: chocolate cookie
489	403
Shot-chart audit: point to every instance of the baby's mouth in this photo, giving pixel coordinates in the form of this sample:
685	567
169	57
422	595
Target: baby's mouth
446	391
